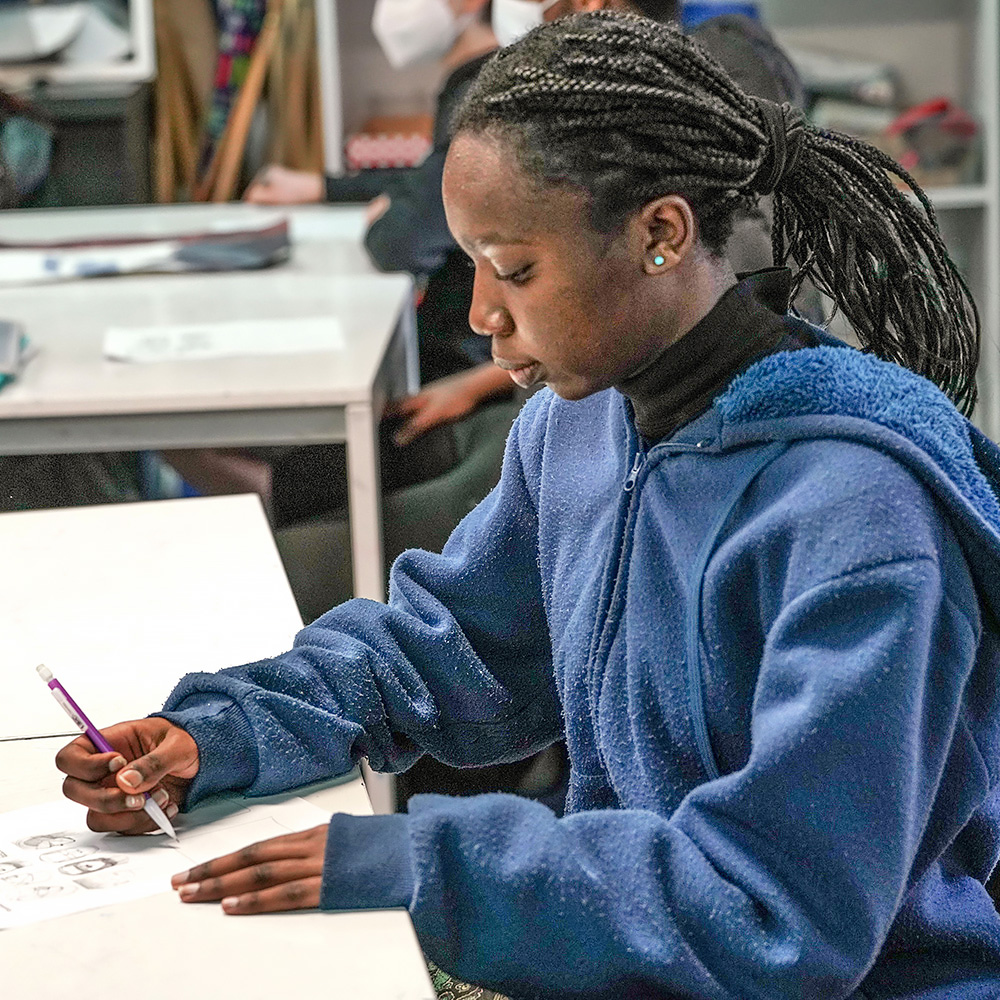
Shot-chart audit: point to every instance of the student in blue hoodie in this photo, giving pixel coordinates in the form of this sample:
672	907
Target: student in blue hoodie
751	575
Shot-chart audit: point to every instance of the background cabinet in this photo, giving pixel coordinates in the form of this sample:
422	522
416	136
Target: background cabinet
356	80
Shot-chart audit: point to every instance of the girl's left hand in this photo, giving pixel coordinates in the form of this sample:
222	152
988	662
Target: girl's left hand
284	873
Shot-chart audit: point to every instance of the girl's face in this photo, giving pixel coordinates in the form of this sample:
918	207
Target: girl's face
563	304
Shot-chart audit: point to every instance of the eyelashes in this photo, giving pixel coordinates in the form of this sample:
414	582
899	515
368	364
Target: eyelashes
518	277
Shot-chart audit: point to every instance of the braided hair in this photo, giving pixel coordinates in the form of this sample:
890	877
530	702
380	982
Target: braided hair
628	110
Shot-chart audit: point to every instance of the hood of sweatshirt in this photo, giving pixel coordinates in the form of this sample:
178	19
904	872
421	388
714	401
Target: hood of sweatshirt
835	391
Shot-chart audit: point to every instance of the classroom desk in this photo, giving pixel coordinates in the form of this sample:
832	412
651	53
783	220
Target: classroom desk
119	601
71	399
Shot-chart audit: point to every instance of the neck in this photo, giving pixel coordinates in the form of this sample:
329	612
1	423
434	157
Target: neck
476	40
704	282
700	282
684	379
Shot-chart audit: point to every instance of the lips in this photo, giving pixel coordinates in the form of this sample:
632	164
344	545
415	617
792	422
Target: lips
524	374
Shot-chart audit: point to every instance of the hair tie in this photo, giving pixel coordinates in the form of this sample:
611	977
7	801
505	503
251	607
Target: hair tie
784	127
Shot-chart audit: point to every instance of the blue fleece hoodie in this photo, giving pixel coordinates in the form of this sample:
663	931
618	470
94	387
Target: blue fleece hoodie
772	644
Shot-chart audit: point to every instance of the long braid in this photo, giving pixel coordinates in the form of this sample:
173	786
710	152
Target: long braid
630	110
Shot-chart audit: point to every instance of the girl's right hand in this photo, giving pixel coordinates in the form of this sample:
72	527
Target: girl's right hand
152	755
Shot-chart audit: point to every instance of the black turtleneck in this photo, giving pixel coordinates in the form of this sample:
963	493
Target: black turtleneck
746	324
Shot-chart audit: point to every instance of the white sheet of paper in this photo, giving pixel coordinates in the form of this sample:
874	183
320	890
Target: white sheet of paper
198	341
51	864
99	41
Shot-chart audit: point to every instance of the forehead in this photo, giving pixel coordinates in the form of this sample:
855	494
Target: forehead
489	198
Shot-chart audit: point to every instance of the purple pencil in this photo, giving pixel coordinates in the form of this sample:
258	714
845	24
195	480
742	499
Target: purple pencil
73	710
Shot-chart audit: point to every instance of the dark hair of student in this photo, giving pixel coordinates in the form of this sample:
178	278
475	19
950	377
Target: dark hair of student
629	110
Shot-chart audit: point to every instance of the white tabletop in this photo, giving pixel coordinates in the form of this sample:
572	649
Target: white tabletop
198	951
69	398
328	276
120	600
310	224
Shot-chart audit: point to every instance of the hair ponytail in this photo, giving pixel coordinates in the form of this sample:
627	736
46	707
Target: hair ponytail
629	110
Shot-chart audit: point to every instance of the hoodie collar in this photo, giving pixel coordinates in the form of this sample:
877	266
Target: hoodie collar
745	325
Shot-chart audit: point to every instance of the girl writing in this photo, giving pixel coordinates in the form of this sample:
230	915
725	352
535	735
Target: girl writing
751	575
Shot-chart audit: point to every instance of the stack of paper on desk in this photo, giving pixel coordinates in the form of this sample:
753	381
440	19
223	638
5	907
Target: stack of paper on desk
214	250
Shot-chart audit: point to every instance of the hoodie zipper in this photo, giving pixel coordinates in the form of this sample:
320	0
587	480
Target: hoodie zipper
629	483
614	586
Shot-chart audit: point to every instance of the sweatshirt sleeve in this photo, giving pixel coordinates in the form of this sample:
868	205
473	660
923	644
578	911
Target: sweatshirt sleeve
363	185
458	664
774	882
412	234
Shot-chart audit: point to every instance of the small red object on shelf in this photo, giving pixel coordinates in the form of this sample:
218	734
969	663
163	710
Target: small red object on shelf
390	141
937	135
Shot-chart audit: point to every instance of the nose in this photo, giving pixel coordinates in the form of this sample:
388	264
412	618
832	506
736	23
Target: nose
488	315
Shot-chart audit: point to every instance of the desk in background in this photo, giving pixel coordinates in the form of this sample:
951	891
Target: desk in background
71	399
120	601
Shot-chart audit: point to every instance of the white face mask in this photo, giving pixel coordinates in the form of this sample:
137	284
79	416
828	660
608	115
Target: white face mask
415	31
514	18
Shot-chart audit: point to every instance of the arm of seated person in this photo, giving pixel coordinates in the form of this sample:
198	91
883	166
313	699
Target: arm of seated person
276	185
447	400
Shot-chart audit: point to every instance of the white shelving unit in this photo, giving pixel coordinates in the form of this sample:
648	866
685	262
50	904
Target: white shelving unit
938	48
356	80
61	77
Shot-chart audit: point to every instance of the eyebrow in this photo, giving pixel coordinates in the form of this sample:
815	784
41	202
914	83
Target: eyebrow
497	239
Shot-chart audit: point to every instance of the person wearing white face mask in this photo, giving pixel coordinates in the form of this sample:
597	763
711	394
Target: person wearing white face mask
416	31
458	34
409	32
412	236
514	18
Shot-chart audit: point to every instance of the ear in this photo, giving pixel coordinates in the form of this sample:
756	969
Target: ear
666	231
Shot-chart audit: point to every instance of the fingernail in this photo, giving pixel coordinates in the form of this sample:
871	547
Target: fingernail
133	801
189	890
172	811
231	903
180	878
161	798
132	778
116	764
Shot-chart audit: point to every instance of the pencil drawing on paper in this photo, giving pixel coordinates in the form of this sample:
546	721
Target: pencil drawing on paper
41	841
51	865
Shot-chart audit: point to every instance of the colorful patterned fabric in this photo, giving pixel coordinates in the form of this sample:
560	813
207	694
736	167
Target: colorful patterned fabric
453	989
240	22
